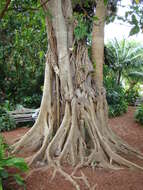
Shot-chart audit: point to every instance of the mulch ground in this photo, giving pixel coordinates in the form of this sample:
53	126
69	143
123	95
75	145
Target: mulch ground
125	179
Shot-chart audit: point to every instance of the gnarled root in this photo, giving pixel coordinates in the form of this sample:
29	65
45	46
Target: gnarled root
82	137
32	140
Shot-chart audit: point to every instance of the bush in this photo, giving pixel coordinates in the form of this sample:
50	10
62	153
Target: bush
132	95
22	53
6	122
32	101
117	103
7	162
116	110
115	94
139	114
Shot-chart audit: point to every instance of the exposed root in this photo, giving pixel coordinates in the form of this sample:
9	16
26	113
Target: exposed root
82	137
84	178
30	141
40	154
69	178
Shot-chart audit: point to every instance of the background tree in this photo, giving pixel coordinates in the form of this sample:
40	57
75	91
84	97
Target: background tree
123	73
123	57
22	49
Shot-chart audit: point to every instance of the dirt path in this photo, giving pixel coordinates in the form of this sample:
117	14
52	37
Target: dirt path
125	126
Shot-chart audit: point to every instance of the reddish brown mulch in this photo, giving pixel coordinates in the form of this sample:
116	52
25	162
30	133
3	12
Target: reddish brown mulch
124	126
14	135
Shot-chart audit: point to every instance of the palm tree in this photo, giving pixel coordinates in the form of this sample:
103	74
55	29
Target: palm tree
122	57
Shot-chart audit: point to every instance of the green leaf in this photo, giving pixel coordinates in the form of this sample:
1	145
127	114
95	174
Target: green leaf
134	20
134	30
136	75
4	174
1	185
19	180
41	54
105	2
18	163
137	1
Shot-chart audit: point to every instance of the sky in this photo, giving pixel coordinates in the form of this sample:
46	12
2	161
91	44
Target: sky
119	29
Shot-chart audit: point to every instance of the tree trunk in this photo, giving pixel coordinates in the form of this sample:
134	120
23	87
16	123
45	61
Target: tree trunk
98	42
72	125
119	77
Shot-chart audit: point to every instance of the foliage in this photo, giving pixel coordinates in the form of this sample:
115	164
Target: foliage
6	122
123	56
135	17
126	62
84	17
117	103
115	94
139	114
32	101
22	49
81	30
133	80
131	95
123	61
135	76
7	162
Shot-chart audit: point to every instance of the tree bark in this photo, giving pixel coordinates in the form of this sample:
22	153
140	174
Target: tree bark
119	77
98	42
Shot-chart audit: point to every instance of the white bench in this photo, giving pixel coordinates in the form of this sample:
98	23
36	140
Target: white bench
139	101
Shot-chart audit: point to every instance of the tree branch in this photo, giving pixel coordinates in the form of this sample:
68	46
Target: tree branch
43	4
5	9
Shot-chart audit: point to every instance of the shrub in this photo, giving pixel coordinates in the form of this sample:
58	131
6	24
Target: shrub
7	162
117	103
132	95
22	52
32	101
116	110
6	122
115	94
139	114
